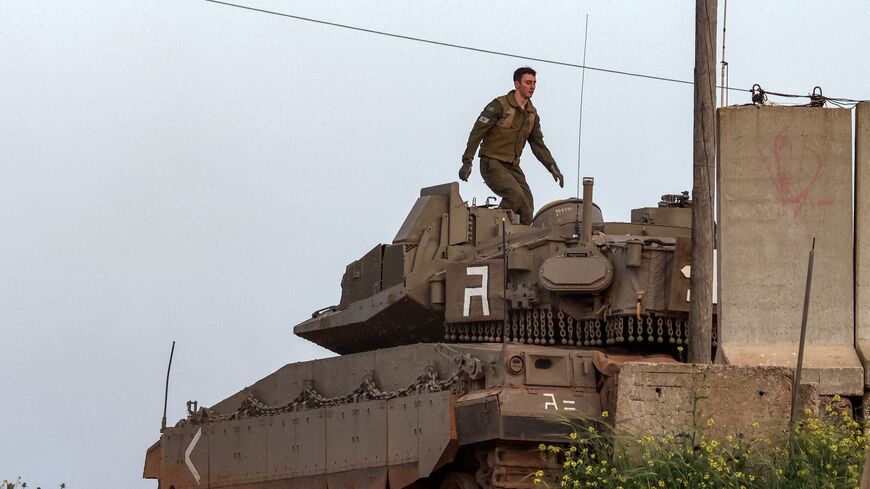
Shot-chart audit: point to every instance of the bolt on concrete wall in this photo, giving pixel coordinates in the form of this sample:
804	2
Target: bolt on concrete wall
784	177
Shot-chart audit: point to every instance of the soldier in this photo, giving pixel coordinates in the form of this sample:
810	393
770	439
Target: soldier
505	125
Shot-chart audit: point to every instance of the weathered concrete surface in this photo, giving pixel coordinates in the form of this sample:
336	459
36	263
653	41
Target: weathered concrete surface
832	369
659	399
862	235
785	176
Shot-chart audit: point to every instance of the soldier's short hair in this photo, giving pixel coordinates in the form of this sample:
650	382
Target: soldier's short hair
525	70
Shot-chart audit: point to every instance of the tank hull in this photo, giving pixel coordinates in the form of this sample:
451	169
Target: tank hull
413	433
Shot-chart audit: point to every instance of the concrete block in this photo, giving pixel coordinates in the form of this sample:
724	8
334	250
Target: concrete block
659	399
862	235
784	177
831	369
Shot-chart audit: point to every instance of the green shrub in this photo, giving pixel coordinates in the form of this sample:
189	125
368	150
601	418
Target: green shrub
20	484
825	451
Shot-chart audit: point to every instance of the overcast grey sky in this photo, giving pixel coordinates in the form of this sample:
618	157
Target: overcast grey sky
181	170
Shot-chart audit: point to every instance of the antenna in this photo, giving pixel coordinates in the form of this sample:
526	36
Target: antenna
166	392
582	86
723	97
576	236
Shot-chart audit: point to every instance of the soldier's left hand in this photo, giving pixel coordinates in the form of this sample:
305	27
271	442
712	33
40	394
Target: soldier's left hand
557	175
465	172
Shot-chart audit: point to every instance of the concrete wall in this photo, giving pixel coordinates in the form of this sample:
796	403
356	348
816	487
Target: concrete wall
784	177
862	235
660	399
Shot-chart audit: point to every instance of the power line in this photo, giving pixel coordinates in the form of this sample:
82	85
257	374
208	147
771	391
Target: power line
501	53
456	46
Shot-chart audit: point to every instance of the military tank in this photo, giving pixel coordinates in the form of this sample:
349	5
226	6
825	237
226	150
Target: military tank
463	344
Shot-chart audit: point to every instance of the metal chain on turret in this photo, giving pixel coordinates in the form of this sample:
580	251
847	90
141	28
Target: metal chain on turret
649	329
660	330
620	329
546	326
597	332
572	340
550	331
679	333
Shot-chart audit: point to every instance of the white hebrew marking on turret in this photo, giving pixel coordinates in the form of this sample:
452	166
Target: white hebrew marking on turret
687	272
477	291
551	402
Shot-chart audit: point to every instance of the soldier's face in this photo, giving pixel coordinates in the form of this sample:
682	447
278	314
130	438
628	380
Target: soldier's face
526	86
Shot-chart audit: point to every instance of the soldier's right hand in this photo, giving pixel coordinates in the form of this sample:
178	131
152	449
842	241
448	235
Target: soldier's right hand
465	172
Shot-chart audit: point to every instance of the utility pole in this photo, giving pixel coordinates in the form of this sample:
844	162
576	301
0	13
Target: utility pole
701	308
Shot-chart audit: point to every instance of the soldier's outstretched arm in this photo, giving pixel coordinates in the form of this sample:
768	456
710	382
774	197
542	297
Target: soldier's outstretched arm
539	149
488	117
542	153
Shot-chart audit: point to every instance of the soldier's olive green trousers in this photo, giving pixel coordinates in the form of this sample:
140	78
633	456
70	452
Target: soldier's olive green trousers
509	182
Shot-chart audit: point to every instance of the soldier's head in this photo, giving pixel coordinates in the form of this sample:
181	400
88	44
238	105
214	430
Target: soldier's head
524	81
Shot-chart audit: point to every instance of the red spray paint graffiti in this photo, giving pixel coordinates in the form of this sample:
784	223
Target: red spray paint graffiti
781	177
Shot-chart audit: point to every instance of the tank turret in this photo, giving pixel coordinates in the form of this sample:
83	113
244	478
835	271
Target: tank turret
460	273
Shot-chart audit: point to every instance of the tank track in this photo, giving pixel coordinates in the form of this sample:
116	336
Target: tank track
509	466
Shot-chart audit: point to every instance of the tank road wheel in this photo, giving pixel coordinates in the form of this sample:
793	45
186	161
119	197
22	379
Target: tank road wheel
459	480
485	464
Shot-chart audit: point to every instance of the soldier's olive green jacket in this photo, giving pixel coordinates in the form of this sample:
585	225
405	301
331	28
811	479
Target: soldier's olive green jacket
504	128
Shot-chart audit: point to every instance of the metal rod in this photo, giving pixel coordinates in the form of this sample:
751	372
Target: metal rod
727	82
800	360
504	327
588	183
166	392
